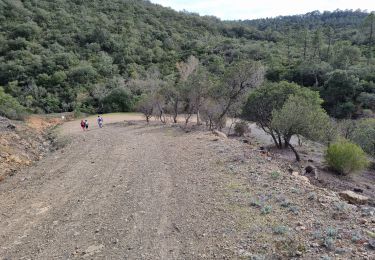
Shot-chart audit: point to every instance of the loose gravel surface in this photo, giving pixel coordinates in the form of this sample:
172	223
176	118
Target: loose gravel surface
137	191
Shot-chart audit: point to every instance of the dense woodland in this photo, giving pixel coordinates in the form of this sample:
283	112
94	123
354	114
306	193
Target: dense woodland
60	55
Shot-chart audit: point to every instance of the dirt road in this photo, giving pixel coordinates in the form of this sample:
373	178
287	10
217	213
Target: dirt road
121	192
137	191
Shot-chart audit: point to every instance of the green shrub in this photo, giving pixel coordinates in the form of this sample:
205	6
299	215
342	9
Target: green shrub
118	100
77	113
280	230
364	135
266	210
9	106
346	157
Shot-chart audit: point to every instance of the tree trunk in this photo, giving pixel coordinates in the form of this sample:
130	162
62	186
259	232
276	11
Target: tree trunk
295	152
231	125
275	141
187	119
280	144
271	133
198	117
175	112
287	140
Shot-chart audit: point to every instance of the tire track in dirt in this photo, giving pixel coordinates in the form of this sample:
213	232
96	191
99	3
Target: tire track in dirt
120	192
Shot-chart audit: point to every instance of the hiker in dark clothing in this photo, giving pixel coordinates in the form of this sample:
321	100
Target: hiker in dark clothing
100	121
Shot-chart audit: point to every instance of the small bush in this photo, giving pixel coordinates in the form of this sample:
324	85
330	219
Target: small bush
10	107
294	209
329	243
356	237
241	128
280	230
331	232
77	113
346	157
266	210
275	175
364	135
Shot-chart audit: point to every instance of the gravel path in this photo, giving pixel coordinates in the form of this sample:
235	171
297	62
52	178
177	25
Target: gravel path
137	191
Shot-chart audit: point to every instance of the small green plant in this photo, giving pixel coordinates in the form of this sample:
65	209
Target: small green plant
329	243
280	230
331	232
255	203
294	209
356	237
317	234
312	196
346	157
275	175
340	206
285	204
266	210
295	190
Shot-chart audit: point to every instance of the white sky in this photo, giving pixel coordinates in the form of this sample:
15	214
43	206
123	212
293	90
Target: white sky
250	9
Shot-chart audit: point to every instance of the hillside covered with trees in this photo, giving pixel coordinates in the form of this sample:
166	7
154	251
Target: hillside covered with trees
104	55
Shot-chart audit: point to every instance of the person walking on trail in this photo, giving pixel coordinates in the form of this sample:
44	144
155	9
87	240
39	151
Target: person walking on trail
100	121
86	125
83	125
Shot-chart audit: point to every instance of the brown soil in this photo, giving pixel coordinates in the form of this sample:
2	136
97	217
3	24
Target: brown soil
22	143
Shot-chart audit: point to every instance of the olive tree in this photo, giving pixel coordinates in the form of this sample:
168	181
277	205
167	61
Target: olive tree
237	82
145	105
262	101
152	89
185	69
301	115
211	110
194	92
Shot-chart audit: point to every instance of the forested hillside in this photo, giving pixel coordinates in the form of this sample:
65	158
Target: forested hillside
58	55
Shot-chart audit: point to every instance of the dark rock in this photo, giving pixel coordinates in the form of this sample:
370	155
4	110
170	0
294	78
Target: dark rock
371	244
310	169
358	190
11	126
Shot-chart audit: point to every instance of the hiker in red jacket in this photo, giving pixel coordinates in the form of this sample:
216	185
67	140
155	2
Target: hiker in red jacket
83	125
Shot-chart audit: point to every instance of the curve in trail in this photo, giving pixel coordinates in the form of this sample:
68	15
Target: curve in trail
121	192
